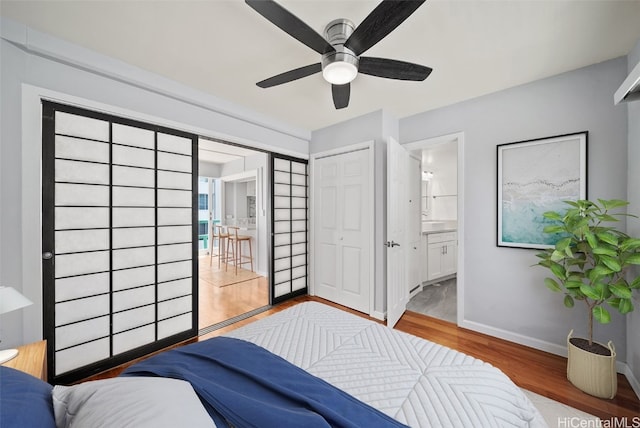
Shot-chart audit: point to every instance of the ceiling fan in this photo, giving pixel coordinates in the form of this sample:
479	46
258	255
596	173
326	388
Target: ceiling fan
343	45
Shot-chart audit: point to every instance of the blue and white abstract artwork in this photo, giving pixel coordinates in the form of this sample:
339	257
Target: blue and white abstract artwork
534	177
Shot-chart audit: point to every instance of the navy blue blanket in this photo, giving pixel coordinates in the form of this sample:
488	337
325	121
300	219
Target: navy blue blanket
245	385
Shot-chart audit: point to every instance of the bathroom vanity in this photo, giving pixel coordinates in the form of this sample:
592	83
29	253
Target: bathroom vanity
440	246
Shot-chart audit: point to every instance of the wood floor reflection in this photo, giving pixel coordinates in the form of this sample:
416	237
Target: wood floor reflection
218	302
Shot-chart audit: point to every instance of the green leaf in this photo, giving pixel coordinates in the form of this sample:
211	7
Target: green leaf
591	239
557	256
553	229
608	237
635	283
572	283
590	292
568	301
598	272
633	259
558	270
615	302
568	252
621	290
545	263
581	227
601	315
625	306
607	217
552	215
611	263
552	285
562	244
630	244
602	290
613	203
605	251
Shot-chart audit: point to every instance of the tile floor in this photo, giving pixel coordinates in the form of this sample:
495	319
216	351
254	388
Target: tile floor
437	300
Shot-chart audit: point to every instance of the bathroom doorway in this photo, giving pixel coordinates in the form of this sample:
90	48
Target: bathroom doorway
438	291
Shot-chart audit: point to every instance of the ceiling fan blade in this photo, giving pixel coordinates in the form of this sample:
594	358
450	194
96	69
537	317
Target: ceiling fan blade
380	22
393	69
291	24
341	95
291	75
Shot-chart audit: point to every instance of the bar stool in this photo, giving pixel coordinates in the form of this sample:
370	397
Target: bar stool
222	237
235	242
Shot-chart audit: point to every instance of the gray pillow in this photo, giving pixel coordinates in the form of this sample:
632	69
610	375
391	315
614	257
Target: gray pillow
129	402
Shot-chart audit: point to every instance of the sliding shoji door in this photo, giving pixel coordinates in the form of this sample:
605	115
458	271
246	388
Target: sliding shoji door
119	239
290	227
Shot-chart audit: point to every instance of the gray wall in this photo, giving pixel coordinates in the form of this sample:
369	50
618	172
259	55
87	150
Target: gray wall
27	57
633	226
378	127
503	293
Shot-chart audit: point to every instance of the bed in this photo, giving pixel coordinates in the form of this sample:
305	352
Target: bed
355	372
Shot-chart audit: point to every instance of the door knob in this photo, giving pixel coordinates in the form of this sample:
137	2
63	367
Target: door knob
47	255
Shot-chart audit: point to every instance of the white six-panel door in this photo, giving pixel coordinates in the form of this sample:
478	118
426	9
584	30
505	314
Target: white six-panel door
397	243
343	211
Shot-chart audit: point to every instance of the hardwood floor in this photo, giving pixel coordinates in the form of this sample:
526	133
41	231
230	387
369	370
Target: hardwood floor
224	295
534	370
537	371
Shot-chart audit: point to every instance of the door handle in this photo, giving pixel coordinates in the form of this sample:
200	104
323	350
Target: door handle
391	244
47	255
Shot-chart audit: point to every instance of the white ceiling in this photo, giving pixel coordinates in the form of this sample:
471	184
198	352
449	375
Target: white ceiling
224	47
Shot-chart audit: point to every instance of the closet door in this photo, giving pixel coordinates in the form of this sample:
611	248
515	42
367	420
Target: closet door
119	239
343	210
289	228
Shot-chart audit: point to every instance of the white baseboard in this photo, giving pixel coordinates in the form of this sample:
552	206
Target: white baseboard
378	315
516	338
541	345
635	384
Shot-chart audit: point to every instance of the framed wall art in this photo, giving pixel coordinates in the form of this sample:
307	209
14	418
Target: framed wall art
536	176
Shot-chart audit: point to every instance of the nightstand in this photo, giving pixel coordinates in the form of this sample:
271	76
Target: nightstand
32	359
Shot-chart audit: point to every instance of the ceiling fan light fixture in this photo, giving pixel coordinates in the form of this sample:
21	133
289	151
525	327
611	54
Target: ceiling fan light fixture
339	67
339	72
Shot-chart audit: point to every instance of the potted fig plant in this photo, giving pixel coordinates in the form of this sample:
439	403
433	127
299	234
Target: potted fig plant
590	266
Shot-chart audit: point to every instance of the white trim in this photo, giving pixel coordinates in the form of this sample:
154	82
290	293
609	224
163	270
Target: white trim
379	315
45	45
631	83
31	210
541	345
367	145
460	276
342	150
635	384
30	92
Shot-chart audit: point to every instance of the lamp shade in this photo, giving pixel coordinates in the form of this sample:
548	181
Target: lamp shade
10	300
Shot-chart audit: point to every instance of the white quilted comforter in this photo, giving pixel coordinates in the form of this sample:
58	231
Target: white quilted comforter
417	382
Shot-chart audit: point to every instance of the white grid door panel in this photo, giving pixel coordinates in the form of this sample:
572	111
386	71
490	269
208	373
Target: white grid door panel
120	228
290	224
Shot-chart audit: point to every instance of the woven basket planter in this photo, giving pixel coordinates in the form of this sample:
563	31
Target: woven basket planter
592	373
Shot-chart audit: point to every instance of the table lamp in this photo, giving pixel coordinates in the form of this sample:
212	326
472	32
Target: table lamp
11	300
